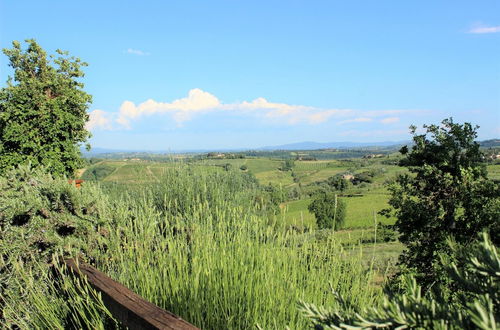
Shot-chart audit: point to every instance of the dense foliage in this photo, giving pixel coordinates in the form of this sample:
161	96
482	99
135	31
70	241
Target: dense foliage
43	110
329	210
478	281
41	217
447	193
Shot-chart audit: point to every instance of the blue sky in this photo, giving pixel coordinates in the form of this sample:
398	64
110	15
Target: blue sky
171	75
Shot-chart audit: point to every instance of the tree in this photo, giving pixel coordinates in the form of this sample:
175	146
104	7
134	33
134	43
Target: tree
288	165
329	210
479	307
43	110
366	176
447	193
338	183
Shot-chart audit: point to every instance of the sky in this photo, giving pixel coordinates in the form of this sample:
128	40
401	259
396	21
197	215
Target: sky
181	75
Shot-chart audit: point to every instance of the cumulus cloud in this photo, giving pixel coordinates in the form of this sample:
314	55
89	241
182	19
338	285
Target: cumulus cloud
389	120
98	119
482	29
199	102
136	52
182	109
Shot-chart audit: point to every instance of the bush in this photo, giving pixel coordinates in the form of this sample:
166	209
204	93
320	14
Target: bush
41	216
363	177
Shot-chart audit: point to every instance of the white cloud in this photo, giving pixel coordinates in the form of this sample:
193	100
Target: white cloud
292	114
98	119
389	120
182	110
482	29
200	102
136	52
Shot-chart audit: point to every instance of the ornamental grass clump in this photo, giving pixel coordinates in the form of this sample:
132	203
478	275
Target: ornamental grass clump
196	245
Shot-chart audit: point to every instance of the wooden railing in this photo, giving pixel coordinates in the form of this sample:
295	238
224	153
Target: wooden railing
125	305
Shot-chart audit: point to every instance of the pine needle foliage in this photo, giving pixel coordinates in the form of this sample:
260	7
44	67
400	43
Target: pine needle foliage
478	282
40	217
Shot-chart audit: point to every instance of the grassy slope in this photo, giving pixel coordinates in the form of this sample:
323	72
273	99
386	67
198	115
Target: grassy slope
360	211
494	171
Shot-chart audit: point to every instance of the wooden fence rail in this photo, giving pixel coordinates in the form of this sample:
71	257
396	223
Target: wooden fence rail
125	305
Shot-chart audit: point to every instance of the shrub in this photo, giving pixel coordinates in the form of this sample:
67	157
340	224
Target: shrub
41	216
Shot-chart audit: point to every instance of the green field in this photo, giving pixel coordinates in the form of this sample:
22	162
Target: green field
494	171
275	177
361	211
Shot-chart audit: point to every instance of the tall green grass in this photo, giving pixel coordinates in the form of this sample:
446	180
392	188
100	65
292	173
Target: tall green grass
200	243
52	300
220	263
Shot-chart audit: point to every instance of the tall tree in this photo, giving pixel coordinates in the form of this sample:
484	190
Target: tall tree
329	210
43	110
447	193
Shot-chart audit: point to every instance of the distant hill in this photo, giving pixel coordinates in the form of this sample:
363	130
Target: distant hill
306	145
102	151
336	145
490	143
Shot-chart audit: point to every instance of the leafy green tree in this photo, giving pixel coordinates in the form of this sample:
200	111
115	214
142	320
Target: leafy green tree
43	110
366	176
329	210
447	193
288	165
338	183
478	308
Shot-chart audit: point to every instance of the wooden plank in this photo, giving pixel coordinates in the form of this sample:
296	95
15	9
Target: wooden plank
125	305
